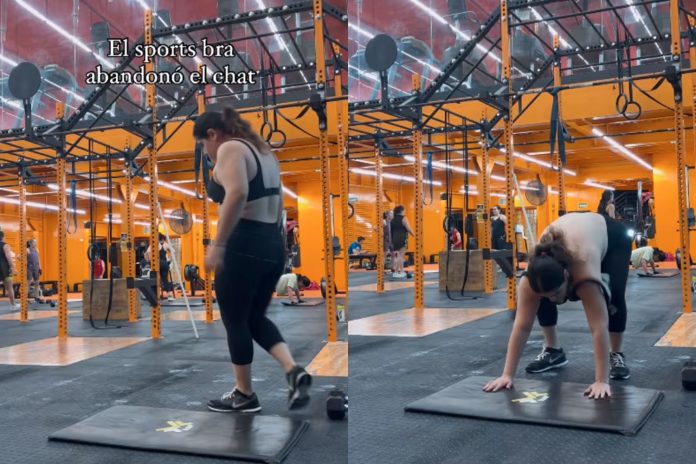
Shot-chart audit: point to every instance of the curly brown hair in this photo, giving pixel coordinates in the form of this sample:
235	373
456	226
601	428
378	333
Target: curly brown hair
231	123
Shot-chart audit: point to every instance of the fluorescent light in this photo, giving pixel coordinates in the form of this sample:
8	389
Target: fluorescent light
537	161
616	145
183	181
289	192
144	5
387	175
441	165
172	187
13	201
86	194
498	195
598	185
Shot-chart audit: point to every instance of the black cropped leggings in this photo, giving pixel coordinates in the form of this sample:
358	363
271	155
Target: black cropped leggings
615	263
244	288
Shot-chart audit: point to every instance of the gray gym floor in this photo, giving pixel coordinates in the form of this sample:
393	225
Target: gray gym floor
177	372
386	373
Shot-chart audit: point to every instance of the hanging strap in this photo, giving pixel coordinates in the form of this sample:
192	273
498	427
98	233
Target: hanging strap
200	165
558	132
429	176
73	206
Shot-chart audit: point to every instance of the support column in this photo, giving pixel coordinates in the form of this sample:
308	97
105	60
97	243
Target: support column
155	317
208	288
560	176
23	289
488	271
680	146
419	303
62	237
343	175
509	150
332	334
130	242
379	218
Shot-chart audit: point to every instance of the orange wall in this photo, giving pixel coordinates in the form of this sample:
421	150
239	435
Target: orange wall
666	204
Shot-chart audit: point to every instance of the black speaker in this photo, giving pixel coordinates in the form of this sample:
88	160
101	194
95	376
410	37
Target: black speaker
227	7
100	34
455	7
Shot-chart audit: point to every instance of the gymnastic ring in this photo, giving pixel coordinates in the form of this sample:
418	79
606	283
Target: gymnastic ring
266	131
632	116
622	102
278	143
351	213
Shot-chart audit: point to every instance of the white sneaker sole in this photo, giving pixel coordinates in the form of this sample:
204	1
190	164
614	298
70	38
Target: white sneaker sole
553	366
300	396
244	411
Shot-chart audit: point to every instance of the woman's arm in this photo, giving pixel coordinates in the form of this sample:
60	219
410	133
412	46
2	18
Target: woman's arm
231	174
598	319
527	307
611	210
404	221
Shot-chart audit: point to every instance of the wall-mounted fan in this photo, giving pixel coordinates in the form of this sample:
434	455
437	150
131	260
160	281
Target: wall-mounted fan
180	221
536	192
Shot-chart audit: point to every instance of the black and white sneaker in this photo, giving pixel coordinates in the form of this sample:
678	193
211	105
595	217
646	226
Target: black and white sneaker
618	370
549	358
235	401
299	382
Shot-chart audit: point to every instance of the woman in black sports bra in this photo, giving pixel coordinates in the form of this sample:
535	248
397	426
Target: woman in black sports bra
248	253
580	256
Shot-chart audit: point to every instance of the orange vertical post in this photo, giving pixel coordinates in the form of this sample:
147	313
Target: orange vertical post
379	213
130	243
560	176
488	271
343	178
680	147
509	150
208	284
325	173
155	316
24	290
418	206
62	238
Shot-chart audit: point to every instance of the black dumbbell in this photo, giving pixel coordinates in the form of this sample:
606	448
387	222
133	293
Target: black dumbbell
337	405
689	375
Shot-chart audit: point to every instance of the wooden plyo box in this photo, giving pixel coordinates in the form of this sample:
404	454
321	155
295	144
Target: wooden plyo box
100	301
454	273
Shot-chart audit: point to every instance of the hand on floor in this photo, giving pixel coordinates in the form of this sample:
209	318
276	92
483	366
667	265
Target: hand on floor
504	381
598	390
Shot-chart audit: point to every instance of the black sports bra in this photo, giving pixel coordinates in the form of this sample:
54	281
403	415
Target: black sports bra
257	189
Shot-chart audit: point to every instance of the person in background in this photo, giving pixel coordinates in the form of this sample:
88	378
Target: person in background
642	257
164	252
455	238
7	269
355	248
291	285
606	205
33	270
400	230
386	237
98	268
498	236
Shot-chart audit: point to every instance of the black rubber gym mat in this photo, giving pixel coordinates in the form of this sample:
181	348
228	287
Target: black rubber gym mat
559	404
246	437
304	303
668	273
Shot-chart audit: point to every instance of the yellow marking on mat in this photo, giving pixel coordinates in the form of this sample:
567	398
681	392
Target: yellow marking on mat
37	314
388	286
184	316
412	323
63	351
331	361
176	426
682	333
532	397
